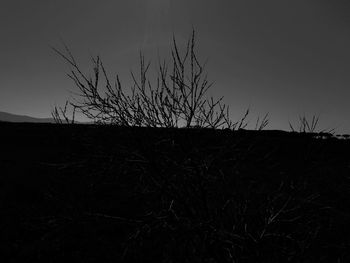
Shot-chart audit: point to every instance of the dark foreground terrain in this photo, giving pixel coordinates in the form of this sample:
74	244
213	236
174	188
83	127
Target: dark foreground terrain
109	194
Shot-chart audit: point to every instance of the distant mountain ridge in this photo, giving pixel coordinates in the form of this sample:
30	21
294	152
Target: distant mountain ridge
9	117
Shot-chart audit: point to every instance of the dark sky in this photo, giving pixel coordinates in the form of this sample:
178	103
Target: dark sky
288	58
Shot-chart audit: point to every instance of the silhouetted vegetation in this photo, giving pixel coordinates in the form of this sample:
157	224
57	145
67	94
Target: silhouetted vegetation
139	189
60	114
309	126
176	99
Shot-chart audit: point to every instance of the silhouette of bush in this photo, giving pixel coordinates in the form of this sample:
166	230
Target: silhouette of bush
306	126
178	98
59	115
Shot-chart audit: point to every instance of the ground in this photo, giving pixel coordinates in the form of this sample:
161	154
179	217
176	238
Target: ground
97	193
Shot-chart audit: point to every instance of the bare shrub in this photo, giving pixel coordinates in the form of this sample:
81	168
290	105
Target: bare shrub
309	126
60	115
177	99
263	122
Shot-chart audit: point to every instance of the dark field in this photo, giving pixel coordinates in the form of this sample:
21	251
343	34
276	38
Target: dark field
110	194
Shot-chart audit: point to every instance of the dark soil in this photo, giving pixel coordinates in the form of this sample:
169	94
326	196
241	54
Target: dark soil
111	194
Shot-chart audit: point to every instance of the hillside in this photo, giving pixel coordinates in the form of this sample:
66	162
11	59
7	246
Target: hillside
9	117
93	193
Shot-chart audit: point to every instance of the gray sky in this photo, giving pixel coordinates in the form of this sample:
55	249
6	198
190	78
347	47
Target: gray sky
285	57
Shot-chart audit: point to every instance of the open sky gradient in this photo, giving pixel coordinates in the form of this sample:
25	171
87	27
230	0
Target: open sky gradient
285	57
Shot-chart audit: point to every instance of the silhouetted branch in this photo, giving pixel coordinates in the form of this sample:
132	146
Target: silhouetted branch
59	113
177	99
264	122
